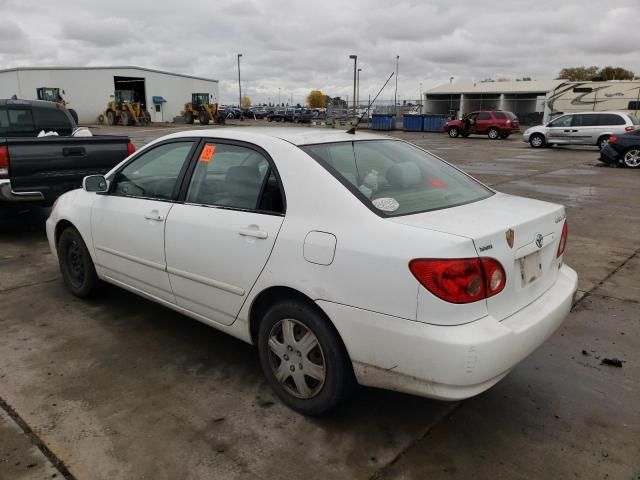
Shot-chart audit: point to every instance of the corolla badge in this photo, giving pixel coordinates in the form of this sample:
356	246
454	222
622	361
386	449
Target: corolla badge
510	236
539	240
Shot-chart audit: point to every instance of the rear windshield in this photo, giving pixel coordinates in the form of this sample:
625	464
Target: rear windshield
395	178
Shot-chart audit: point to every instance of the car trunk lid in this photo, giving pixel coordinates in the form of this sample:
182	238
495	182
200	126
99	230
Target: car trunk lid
522	234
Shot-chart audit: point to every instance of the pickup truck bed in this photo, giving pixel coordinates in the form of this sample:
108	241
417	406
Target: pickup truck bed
39	170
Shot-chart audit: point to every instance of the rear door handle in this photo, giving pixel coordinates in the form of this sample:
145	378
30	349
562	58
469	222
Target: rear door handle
154	215
252	232
567	131
73	151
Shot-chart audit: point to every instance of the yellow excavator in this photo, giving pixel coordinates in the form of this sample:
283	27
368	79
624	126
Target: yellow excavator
125	110
200	108
51	94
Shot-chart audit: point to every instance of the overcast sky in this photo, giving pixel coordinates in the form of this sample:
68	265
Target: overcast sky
298	46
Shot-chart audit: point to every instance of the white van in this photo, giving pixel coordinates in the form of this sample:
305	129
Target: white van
587	128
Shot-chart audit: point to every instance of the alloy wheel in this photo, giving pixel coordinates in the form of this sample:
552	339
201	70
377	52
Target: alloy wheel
632	158
296	358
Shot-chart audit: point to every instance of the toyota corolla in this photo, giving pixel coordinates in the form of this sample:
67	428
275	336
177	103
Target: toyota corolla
345	258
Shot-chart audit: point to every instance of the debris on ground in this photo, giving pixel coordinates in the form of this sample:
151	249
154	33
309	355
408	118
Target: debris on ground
613	362
585	353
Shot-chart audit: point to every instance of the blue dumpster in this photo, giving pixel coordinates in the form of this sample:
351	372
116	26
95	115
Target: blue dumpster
434	123
412	123
383	121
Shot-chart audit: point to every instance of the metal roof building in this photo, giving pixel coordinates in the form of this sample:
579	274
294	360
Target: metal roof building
524	98
89	89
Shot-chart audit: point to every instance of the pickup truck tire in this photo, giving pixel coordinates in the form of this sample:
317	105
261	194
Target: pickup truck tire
493	133
453	132
76	266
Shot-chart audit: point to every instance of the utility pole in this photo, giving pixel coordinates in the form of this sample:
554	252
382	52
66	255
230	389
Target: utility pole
421	98
355	65
395	95
358	89
240	89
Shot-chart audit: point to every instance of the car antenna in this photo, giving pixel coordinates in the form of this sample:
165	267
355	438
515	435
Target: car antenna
352	130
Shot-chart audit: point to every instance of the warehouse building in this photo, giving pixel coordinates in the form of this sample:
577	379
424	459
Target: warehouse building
524	98
88	89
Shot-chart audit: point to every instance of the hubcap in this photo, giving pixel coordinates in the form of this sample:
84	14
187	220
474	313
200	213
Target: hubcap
632	158
75	262
536	141
493	134
453	132
296	358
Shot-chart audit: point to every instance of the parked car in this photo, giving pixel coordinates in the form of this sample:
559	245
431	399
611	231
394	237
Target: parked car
36	171
280	116
303	115
623	150
380	274
585	128
493	123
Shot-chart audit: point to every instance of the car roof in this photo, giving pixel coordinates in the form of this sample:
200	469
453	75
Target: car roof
296	136
21	101
618	112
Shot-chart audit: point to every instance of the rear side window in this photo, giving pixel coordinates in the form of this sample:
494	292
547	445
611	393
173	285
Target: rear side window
395	178
52	119
610	119
585	120
484	116
499	115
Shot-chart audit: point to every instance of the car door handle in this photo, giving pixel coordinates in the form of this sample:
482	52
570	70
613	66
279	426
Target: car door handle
251	232
154	215
567	131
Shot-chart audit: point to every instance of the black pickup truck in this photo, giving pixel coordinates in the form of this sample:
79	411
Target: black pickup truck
38	170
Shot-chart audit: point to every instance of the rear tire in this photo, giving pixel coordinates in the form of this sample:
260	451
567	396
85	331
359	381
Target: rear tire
493	133
602	141
632	158
453	132
188	118
537	140
327	374
125	118
76	266
111	117
203	118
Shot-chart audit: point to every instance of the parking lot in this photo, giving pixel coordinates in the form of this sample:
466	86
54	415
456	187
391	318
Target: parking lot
119	387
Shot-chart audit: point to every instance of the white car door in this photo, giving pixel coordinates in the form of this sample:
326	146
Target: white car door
559	130
220	239
128	222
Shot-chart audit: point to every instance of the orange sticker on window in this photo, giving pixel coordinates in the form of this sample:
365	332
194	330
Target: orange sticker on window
207	153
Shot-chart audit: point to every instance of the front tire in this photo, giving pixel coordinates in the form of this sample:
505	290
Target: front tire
632	158
493	133
188	117
537	140
453	132
76	266
203	118
303	358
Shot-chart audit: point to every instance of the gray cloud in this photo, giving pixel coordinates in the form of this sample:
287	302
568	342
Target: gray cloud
296	46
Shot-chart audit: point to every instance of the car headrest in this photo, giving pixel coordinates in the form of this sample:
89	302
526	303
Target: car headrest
405	174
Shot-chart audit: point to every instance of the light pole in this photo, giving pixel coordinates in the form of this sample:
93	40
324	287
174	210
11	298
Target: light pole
358	89
278	96
240	89
395	95
421	98
355	65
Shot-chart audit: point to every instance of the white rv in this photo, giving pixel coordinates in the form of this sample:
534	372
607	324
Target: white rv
570	97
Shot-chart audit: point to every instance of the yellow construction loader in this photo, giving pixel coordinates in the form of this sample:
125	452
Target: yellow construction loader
200	108
51	94
125	110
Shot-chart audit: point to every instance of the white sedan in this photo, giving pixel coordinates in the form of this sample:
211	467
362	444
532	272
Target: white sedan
344	257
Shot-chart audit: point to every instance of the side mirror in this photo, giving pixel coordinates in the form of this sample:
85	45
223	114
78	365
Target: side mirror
95	183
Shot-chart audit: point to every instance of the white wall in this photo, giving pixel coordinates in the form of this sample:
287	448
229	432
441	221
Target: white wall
88	90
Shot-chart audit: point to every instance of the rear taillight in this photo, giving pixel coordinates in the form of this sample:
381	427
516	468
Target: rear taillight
4	162
563	239
508	122
613	139
460	280
629	129
131	148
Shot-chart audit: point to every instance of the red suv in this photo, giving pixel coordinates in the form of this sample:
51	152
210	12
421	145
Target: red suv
494	123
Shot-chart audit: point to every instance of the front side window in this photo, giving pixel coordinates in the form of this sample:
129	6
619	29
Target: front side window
564	121
236	177
154	173
396	178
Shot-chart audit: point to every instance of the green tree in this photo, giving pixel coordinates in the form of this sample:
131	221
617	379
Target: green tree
577	74
245	102
316	99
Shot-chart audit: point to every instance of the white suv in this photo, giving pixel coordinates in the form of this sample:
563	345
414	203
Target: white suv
585	128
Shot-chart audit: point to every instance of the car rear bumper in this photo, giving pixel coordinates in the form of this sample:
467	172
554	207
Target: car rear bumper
609	155
7	194
448	362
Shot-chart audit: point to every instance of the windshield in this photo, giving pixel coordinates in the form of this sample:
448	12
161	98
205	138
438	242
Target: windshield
395	178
